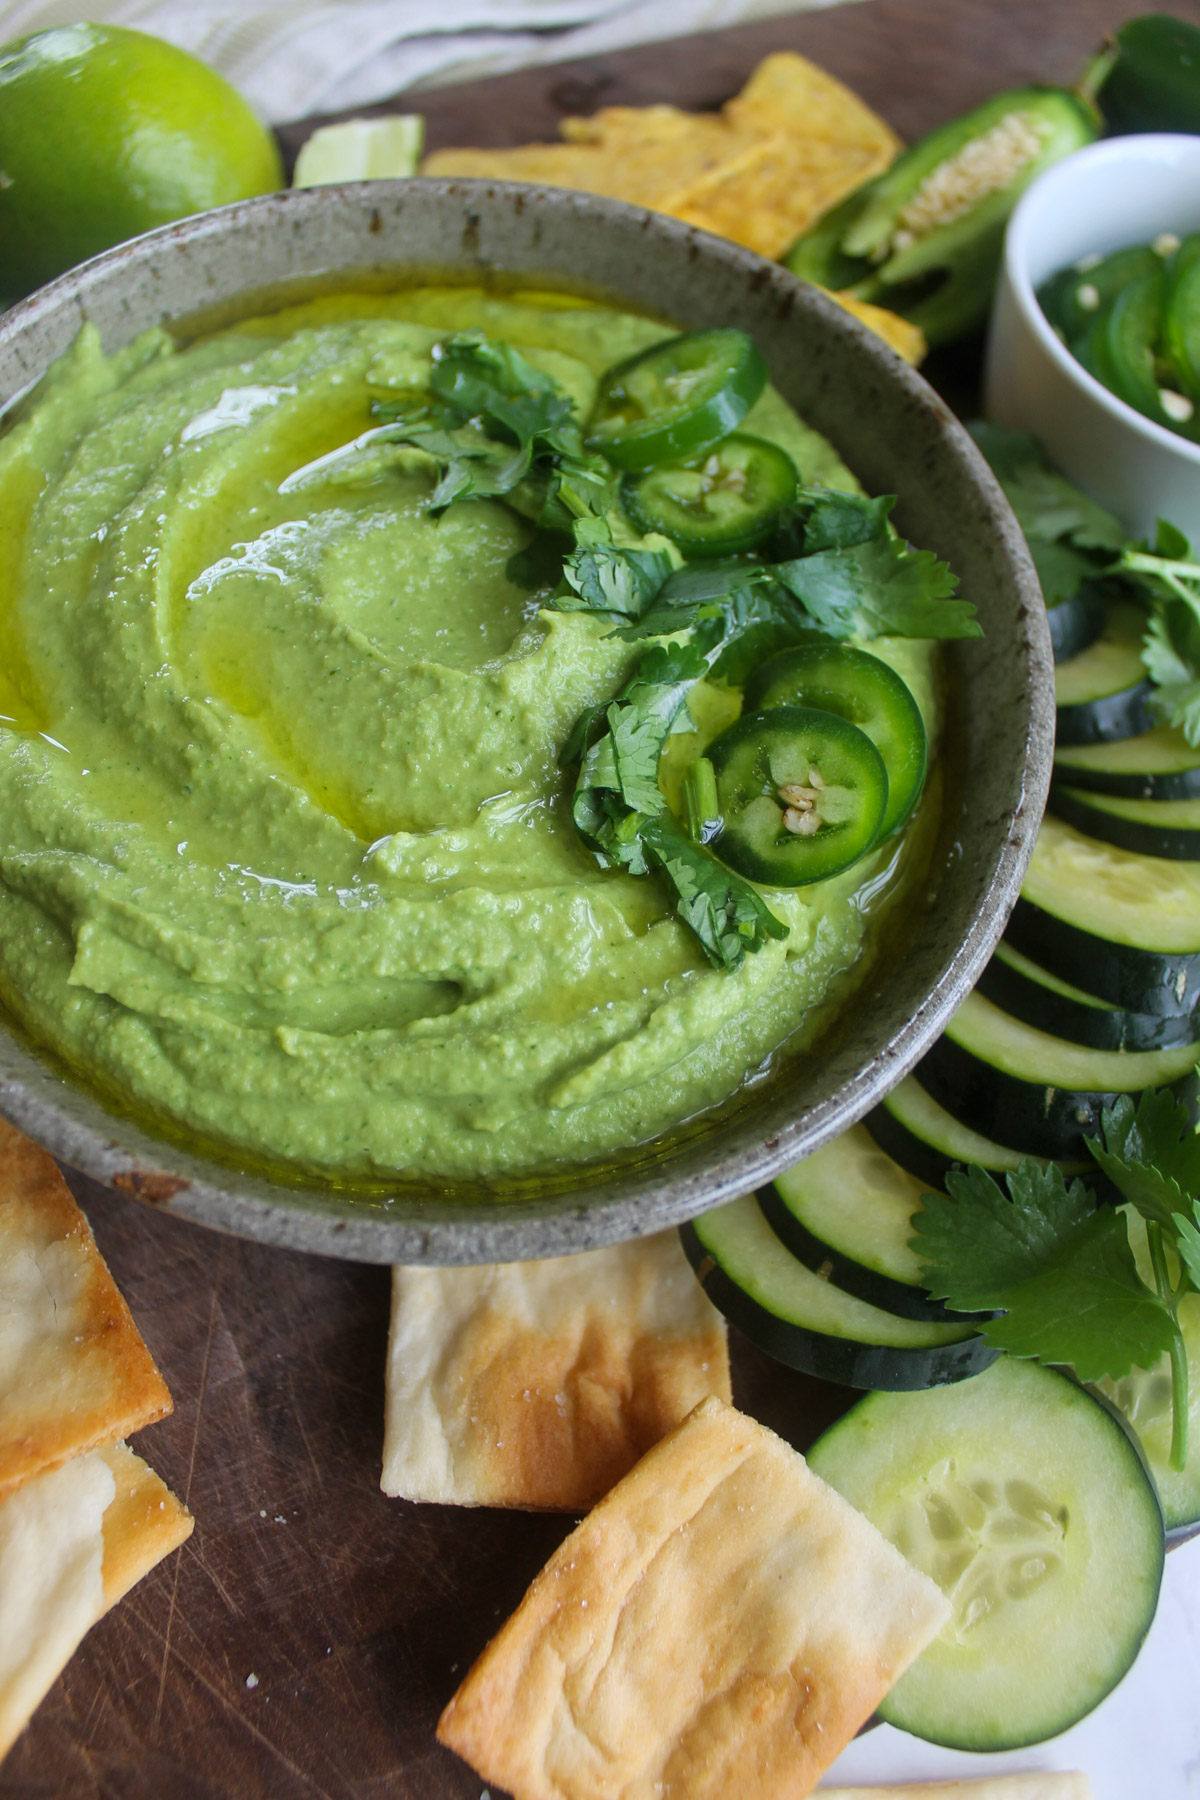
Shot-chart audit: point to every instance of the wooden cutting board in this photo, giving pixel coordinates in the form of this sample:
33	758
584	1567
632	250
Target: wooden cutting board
302	1644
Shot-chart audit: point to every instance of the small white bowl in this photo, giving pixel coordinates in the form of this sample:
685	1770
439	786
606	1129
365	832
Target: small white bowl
1124	191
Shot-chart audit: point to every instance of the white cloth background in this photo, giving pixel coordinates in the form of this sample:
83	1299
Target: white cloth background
309	56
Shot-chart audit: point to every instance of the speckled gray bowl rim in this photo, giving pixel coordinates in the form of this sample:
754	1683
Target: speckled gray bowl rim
893	431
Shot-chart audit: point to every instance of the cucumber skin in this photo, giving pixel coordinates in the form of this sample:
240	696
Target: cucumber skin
853	1277
842	1360
1028	1116
1110	1028
925	1161
1124	714
1074	624
1160	982
1180	784
1183	1530
1173	843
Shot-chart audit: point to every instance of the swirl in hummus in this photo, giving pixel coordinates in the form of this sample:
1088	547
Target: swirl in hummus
286	860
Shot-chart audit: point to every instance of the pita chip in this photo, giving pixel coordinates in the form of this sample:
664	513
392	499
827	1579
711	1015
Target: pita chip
74	1372
721	1623
143	1522
539	1384
1033	1786
72	1541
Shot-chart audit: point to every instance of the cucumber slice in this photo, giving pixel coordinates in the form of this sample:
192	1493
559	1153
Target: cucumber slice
753	1278
1121	926
1075	623
1032	994
928	1141
1144	1398
846	1212
1158	765
1027	1502
1163	828
1033	1091
1103	692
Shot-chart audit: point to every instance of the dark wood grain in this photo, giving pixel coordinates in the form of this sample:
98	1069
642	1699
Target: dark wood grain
919	62
356	1614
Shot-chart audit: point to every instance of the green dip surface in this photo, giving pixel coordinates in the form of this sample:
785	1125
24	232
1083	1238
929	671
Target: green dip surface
287	866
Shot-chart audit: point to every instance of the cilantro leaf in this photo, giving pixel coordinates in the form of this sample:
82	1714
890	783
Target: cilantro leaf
1061	569
473	464
981	1242
838	521
623	758
880	588
1165	577
1049	508
1171	653
1088	1307
479	377
1074	541
611	580
1061	1271
727	915
1151	1153
700	591
488	415
829	519
1187	1242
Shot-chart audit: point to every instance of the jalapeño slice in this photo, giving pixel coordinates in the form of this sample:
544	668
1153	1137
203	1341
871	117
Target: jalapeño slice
713	505
802	794
862	688
1119	347
1072	298
1181	326
677	399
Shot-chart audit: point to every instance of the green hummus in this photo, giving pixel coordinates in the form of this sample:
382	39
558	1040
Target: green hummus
286	864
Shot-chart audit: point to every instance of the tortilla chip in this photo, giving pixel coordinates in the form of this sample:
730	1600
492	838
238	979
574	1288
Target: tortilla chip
788	93
792	144
906	339
1039	1786
767	197
540	1384
72	1541
74	1371
637	154
720	1624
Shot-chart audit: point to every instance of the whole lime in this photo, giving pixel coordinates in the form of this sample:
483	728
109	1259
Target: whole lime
105	133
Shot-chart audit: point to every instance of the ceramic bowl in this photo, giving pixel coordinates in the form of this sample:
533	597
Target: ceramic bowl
897	436
1124	191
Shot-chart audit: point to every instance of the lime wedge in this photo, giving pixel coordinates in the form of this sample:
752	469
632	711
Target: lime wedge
361	150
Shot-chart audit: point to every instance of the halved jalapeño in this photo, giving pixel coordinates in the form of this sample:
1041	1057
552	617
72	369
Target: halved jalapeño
802	795
865	690
677	399
925	237
718	503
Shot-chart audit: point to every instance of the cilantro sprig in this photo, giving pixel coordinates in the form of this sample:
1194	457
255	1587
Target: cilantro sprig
1074	542
1056	1268
488	416
493	425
